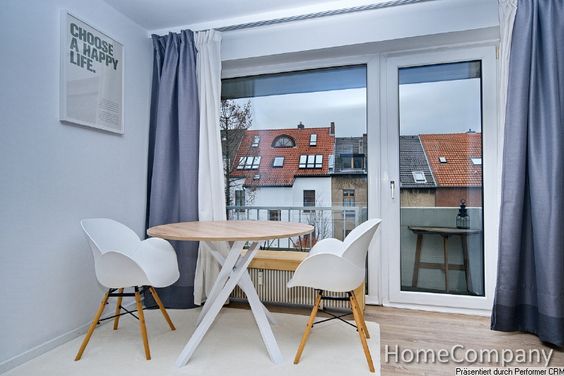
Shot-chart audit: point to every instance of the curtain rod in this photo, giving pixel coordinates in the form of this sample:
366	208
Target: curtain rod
327	13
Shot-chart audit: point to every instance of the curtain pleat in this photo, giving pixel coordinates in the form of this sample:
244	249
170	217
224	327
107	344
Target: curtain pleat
173	153
530	287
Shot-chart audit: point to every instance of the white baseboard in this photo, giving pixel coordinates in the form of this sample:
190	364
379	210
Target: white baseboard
34	352
442	309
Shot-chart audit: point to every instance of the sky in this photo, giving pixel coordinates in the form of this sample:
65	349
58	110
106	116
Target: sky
347	108
433	107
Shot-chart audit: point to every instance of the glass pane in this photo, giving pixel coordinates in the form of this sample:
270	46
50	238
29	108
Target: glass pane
440	162
302	124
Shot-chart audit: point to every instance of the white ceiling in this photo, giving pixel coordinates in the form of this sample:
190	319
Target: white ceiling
160	15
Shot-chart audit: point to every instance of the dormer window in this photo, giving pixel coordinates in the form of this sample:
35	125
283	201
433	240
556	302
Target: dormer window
256	141
313	139
283	141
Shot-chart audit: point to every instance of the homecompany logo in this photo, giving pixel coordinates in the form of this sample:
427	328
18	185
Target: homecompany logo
460	354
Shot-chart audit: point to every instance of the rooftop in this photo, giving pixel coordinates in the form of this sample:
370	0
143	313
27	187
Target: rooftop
282	173
413	161
455	158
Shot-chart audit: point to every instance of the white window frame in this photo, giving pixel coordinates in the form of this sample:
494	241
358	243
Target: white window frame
311	161
256	141
279	159
419	173
313	139
391	268
249	163
377	118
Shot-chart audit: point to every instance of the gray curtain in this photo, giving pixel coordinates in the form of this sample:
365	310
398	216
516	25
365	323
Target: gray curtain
173	154
530	287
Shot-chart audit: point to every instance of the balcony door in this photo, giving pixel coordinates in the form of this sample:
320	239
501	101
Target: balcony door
439	196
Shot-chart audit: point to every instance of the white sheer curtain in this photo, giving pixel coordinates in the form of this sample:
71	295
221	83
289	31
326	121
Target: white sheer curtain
211	194
507	10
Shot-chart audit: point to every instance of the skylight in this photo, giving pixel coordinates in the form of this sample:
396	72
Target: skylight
256	141
419	176
442	159
311	161
248	163
278	162
477	161
313	139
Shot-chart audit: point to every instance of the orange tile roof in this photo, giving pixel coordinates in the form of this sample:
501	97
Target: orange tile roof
458	149
283	176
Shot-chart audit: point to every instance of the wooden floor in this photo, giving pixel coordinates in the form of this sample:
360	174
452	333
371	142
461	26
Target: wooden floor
411	329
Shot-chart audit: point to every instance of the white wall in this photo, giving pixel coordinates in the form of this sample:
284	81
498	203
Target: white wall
394	23
52	175
293	196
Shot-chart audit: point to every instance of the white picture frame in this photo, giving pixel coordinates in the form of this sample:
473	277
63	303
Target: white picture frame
91	81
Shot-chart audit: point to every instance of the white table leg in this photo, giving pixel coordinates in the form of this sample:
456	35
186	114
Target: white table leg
264	327
235	274
245	283
232	257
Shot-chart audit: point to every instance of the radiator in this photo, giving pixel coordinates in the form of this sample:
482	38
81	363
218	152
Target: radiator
273	290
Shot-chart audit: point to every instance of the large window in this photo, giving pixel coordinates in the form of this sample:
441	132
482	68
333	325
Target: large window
440	164
294	142
309	197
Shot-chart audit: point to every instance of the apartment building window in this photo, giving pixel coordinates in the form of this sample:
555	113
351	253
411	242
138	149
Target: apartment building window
274	215
240	198
309	197
352	161
349	201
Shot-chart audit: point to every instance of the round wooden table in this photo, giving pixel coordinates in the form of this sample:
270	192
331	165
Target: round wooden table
234	263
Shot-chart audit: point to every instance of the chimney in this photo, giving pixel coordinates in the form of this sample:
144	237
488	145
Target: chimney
301	126
332	130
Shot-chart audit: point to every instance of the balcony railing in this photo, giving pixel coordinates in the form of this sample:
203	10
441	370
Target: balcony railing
328	221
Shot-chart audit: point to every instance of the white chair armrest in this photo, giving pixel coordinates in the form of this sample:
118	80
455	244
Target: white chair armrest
115	269
326	271
329	245
158	259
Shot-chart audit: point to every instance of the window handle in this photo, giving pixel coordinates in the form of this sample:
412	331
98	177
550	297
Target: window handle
393	188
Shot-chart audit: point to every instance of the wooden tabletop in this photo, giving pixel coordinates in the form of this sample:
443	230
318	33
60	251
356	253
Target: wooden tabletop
444	230
229	230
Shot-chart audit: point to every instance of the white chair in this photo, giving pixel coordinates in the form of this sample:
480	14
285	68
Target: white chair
122	260
339	266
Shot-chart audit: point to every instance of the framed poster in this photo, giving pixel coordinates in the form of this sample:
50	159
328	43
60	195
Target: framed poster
91	76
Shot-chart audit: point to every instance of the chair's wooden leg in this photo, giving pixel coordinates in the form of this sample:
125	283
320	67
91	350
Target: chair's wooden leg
358	320
308	328
93	325
361	314
161	307
118	309
142	324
